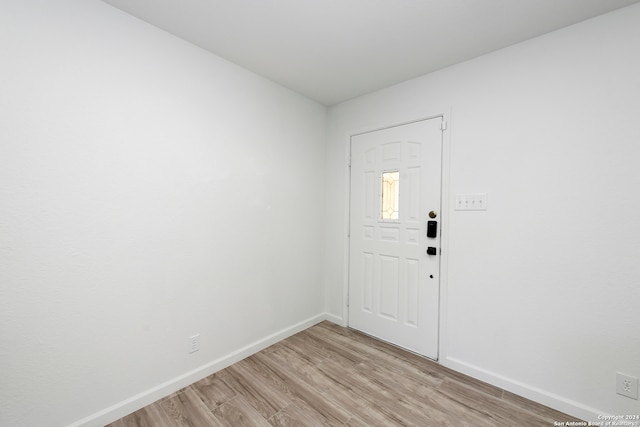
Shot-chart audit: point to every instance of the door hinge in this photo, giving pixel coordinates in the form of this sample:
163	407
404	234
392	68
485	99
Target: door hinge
443	125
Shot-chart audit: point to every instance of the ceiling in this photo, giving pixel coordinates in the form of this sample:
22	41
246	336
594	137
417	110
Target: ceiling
334	50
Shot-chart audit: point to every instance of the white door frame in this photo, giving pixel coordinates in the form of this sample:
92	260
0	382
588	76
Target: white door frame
444	223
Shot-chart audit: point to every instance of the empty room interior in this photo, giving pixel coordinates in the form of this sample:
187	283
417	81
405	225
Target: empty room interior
188	184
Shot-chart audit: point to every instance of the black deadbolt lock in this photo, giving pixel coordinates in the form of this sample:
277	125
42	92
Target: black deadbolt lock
432	228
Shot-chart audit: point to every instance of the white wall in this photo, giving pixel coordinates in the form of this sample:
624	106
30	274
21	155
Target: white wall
148	191
542	289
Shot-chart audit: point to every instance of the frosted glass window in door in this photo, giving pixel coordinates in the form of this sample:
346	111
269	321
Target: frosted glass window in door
390	194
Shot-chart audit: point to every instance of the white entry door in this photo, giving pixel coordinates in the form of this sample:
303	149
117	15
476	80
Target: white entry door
395	193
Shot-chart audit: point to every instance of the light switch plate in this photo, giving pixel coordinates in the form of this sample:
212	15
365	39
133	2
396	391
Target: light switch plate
471	202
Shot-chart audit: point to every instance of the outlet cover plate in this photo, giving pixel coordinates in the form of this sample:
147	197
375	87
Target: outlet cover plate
627	385
194	343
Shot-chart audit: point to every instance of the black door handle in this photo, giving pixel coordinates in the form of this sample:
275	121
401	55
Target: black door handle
432	251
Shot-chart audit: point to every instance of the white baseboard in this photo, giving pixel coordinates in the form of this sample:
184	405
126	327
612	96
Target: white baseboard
336	319
543	397
147	397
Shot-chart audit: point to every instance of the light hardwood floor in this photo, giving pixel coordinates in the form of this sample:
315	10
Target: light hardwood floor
332	376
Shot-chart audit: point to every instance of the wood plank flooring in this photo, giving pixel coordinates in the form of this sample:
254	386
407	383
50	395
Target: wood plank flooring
332	376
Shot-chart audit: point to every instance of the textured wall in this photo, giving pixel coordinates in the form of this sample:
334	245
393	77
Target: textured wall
148	191
541	289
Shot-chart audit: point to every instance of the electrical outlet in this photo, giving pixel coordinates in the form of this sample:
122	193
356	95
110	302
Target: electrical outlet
194	343
626	385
